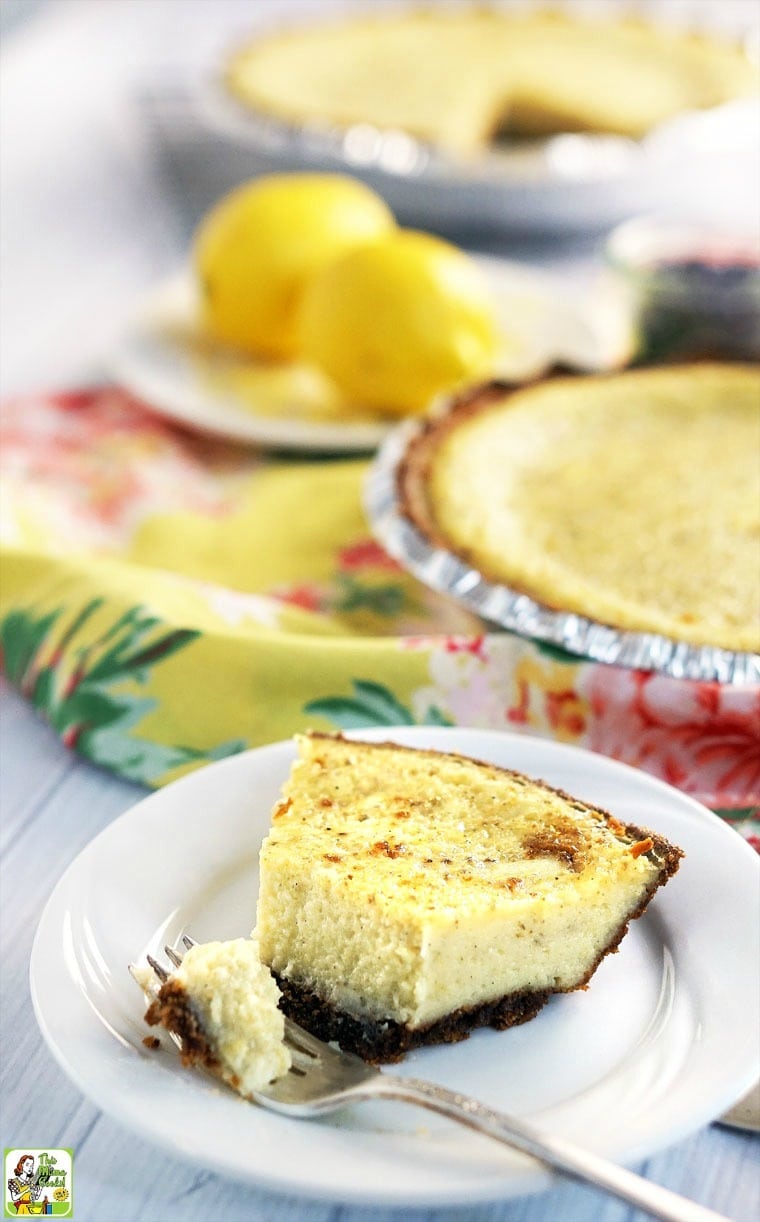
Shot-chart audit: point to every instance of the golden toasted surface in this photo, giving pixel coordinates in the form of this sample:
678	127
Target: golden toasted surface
456	77
633	498
431	833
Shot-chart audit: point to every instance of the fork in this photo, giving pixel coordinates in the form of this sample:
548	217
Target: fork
323	1079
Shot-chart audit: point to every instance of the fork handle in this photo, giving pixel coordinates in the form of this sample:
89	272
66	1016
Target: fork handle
555	1152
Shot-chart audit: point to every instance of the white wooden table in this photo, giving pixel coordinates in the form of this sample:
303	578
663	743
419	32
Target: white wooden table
87	223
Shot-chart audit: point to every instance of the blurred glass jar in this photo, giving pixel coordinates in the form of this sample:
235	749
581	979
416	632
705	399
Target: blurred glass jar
692	291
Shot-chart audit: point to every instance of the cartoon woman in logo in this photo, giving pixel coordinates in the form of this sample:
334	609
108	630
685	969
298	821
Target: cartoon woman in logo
25	1188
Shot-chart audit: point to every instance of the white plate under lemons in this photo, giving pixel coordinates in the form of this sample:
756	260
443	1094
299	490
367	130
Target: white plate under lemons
164	359
662	1042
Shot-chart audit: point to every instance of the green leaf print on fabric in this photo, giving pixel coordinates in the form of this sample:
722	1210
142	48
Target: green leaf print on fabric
142	761
80	703
371	705
557	653
386	600
22	638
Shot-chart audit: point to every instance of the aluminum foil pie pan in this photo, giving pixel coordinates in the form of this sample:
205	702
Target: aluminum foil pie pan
573	181
515	611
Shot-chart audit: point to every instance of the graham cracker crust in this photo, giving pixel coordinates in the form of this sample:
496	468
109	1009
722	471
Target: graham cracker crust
172	1010
381	1041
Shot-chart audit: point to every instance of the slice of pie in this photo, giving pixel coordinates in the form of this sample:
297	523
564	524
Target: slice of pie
408	896
631	498
457	77
223	1004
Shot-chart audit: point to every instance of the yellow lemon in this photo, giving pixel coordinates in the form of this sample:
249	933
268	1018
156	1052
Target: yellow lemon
396	321
260	244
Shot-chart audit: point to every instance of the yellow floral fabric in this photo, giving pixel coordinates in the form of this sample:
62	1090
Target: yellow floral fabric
167	600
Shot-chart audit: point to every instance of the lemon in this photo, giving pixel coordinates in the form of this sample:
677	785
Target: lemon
399	320
260	244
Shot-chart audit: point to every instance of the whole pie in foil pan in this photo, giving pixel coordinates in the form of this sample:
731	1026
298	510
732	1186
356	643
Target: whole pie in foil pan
616	516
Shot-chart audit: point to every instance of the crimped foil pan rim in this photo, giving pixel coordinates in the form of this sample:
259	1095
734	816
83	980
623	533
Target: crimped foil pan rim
499	604
399	155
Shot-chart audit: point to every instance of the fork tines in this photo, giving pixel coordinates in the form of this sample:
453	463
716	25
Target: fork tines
174	956
160	971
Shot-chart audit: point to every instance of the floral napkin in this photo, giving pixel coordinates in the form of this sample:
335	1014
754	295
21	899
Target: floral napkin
169	600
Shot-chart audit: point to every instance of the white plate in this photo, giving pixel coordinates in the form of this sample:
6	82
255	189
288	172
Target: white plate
663	1041
162	360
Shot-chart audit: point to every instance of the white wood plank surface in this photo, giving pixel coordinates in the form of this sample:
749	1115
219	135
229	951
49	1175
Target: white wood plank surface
52	805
